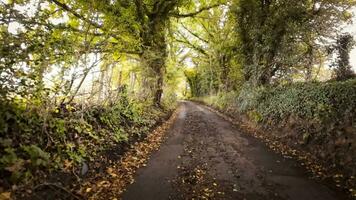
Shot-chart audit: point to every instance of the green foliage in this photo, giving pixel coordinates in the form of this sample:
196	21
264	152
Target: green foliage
214	45
320	103
30	136
194	81
9	158
243	40
19	162
278	38
37	156
316	102
255	116
123	114
12	164
249	97
221	101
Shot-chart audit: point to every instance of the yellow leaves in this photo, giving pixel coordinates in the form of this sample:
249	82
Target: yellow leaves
207	190
353	192
338	176
74	22
346	15
110	172
67	164
5	196
198	182
103	184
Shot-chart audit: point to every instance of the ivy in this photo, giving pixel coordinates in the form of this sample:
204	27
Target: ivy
317	102
32	136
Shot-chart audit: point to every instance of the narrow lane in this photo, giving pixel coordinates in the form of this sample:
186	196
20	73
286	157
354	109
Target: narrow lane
206	157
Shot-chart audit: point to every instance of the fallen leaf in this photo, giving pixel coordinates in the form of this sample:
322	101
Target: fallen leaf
5	196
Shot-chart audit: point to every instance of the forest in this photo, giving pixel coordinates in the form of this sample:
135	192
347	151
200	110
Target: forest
94	92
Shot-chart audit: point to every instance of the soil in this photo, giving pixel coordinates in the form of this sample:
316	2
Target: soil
206	157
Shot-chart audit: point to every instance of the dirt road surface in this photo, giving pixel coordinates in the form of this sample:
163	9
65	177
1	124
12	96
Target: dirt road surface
206	157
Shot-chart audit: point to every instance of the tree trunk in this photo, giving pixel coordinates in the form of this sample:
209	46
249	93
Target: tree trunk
225	70
132	82
154	58
309	67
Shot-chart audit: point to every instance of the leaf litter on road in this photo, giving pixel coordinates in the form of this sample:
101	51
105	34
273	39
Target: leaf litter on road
111	183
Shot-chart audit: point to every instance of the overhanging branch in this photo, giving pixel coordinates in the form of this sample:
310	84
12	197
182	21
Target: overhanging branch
179	15
195	35
195	47
106	30
70	10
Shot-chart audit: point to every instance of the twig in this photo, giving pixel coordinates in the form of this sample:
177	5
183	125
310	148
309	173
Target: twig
73	171
59	187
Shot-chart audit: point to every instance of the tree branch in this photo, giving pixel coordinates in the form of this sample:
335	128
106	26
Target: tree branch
79	16
69	9
194	34
139	9
206	29
193	14
185	41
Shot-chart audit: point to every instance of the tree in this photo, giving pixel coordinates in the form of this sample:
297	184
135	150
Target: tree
342	66
145	22
212	39
67	33
154	18
272	33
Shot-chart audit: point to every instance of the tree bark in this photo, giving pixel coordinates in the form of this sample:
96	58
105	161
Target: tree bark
154	60
154	57
309	67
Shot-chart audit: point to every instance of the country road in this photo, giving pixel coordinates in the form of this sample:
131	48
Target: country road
206	157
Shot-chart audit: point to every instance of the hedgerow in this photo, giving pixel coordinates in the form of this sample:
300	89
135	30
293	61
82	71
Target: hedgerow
39	139
317	102
314	102
316	118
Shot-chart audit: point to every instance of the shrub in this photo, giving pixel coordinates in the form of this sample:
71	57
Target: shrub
318	102
315	102
31	134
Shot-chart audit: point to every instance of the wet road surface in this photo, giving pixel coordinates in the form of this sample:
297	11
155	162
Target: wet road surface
206	157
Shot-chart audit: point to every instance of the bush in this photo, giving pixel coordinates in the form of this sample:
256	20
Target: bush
314	102
222	101
31	134
318	102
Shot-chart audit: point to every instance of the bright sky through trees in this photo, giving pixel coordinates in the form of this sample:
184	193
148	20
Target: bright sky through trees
80	79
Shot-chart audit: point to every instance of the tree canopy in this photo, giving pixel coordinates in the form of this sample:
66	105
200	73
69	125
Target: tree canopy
78	77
